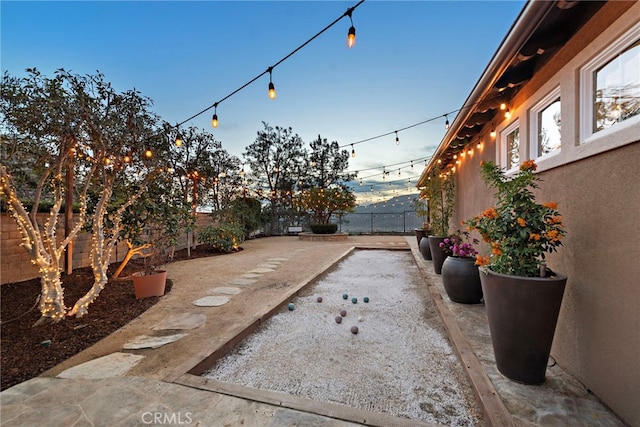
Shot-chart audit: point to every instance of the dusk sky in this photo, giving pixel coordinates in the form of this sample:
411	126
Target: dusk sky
413	61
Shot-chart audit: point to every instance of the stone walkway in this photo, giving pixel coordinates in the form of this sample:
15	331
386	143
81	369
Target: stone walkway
144	373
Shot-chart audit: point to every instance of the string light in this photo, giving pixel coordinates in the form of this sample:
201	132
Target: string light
214	118
347	13
148	153
503	106
178	140
351	35
272	88
397	139
492	134
353	151
507	114
446	122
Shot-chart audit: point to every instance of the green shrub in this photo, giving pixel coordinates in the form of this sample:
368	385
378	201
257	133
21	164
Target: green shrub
324	228
222	237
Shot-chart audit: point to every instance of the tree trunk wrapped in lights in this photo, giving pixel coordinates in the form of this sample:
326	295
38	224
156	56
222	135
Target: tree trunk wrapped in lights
42	245
103	240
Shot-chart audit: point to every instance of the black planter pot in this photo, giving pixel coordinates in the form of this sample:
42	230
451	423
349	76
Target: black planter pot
461	280
522	314
437	253
420	233
425	249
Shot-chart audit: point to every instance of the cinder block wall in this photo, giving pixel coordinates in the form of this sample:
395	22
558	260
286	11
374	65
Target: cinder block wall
15	262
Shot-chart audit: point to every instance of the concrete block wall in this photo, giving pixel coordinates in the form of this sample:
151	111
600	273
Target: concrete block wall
15	262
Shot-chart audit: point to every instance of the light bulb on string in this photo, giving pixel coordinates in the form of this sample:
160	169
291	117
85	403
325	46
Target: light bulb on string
397	139
503	105
351	35
272	88
446	122
179	140
507	114
148	153
214	118
353	151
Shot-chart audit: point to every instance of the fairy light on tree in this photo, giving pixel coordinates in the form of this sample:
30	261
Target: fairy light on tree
43	126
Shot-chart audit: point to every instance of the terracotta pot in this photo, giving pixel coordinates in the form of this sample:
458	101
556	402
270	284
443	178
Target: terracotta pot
425	249
522	314
437	253
151	285
461	280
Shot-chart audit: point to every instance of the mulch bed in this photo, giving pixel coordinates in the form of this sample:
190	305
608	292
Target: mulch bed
24	350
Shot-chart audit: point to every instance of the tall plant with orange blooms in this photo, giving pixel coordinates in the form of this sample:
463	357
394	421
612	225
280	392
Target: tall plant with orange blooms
519	230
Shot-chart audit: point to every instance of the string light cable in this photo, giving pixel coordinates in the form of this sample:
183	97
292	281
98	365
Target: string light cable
271	68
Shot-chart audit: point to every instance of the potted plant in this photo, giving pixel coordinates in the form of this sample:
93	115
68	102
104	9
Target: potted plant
460	275
322	203
522	296
421	208
440	195
151	228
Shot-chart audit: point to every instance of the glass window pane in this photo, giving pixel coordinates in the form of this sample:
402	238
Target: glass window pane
549	128
617	89
513	149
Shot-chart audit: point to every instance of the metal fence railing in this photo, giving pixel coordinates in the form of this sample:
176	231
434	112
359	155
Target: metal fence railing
379	222
354	223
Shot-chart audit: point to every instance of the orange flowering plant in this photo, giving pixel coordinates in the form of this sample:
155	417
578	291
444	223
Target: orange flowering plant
519	230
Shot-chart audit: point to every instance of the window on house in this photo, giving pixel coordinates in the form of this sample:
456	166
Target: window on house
617	89
513	149
610	88
510	146
549	128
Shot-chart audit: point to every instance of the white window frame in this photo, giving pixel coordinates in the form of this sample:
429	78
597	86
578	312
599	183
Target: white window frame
587	85
535	124
502	152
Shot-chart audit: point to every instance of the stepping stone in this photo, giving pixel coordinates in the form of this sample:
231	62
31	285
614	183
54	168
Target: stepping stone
145	341
181	321
226	290
242	282
214	301
261	270
250	275
112	365
268	265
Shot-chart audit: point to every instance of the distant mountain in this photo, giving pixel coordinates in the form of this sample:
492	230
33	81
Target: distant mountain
393	205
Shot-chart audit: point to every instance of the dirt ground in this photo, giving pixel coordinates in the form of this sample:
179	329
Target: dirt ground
24	350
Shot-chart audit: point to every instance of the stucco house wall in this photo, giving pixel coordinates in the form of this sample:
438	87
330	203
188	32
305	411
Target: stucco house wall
597	186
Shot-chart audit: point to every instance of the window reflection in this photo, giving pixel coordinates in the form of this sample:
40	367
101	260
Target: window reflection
513	149
549	121
617	91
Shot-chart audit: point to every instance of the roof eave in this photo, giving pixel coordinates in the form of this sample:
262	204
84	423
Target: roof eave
532	14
